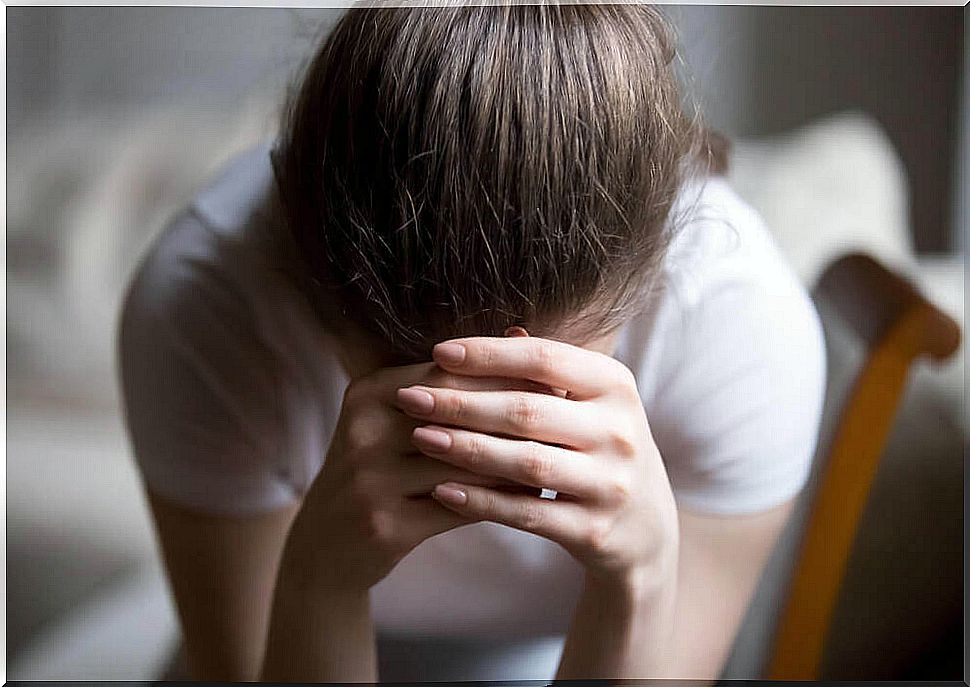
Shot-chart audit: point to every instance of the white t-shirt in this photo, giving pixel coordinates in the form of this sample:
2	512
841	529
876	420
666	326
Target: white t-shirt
231	394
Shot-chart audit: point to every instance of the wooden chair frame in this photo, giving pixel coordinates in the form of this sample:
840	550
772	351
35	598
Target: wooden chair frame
897	325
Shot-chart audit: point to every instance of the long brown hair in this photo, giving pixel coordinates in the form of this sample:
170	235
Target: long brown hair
453	171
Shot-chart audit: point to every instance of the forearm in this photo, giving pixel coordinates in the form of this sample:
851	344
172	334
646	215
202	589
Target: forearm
319	632
620	630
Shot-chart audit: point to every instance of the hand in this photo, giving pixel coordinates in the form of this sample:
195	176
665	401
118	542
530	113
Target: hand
370	504
615	511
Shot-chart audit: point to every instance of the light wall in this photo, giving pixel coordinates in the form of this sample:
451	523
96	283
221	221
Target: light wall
70	60
756	70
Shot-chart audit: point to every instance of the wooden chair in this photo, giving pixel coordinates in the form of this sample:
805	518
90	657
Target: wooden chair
897	325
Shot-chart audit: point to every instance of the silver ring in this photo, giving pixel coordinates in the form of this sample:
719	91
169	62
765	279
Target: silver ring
550	494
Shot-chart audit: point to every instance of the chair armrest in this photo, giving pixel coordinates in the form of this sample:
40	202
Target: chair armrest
898	325
871	299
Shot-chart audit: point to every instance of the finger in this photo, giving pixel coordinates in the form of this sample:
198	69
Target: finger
503	488
541	417
586	374
418	474
525	462
419	520
443	379
521	331
378	435
561	522
382	432
385	381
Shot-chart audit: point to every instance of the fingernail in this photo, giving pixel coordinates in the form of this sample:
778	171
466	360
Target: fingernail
449	353
417	401
450	494
433	439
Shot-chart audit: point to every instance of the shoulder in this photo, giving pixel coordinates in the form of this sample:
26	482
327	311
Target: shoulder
181	292
740	373
199	303
229	387
721	241
725	272
188	332
723	280
239	190
202	385
194	273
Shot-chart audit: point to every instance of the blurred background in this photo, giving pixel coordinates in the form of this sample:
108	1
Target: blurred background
850	129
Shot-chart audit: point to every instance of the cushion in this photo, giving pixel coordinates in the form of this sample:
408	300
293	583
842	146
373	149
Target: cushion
827	188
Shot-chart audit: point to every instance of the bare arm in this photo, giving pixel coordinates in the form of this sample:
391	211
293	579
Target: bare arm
721	561
320	626
682	629
222	571
326	634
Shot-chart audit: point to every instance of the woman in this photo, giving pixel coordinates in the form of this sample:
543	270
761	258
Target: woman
338	441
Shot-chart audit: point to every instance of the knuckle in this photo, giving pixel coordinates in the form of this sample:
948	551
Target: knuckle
452	405
523	413
531	516
543	359
380	527
618	492
475	451
486	356
621	444
626	381
536	465
597	534
361	434
488	507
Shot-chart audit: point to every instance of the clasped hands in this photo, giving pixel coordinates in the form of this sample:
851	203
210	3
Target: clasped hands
488	414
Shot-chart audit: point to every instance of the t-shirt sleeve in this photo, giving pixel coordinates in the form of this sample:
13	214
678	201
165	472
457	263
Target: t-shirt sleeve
201	393
737	414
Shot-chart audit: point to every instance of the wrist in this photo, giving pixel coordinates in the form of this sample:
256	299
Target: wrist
640	579
307	569
651	573
633	585
621	625
296	577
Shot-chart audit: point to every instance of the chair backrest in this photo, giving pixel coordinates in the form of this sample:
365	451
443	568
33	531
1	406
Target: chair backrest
895	325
